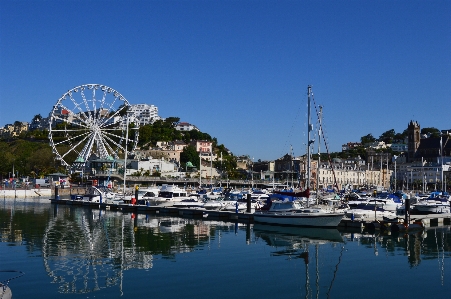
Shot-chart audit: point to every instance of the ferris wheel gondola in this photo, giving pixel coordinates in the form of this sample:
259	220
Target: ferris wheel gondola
90	119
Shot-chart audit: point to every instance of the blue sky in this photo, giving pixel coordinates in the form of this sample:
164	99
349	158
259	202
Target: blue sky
238	70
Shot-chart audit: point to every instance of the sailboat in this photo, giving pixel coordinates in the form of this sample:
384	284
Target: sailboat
291	212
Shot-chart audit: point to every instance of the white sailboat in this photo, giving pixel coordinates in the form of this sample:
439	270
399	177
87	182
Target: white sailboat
289	212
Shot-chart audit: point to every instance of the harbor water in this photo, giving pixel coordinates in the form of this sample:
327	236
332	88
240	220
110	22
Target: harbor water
61	251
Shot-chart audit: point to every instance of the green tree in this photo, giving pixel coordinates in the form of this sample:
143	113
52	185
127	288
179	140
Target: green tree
388	136
189	154
400	137
433	132
367	139
37	118
145	135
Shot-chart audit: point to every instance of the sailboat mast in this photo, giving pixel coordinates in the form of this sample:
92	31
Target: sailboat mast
319	152
309	129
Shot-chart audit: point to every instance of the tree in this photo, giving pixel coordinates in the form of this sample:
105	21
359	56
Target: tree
367	139
189	154
388	136
173	121
145	135
400	137
36	118
432	132
122	110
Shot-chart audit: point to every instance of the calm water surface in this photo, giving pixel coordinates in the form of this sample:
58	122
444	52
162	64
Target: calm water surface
76	252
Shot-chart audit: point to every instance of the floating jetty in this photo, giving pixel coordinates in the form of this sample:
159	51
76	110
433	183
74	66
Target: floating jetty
416	222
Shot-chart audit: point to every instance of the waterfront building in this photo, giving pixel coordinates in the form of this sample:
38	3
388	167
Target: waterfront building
424	175
349	177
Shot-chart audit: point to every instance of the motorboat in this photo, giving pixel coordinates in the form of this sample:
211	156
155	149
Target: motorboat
436	203
213	202
385	201
193	201
238	202
370	214
354	200
93	194
168	195
145	195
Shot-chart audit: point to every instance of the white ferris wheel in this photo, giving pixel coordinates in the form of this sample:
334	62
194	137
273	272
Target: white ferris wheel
90	119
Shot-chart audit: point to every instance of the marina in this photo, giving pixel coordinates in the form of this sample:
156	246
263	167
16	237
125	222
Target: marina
80	252
415	222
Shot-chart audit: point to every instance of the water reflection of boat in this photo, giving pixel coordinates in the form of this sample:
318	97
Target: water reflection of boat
295	242
304	233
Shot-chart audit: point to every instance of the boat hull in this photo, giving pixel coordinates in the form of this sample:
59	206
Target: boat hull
296	219
431	208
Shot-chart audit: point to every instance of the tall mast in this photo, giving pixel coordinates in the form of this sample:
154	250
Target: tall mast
309	129
319	152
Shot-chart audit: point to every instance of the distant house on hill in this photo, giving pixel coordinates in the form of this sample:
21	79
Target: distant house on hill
350	145
14	130
184	126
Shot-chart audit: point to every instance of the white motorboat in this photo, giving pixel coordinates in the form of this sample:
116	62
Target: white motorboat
168	195
238	201
368	214
193	201
213	202
437	203
95	195
354	200
387	204
145	195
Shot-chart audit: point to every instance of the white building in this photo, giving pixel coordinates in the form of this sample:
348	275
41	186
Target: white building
152	165
350	177
142	114
422	176
184	126
377	145
399	147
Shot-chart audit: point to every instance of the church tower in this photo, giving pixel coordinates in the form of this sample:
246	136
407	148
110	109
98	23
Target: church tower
413	137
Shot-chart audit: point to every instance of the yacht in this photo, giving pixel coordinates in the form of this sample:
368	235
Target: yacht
168	195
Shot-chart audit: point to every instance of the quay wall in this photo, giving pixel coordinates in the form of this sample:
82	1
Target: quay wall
26	193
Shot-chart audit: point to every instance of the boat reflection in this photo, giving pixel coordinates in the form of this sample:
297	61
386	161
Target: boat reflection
296	242
275	234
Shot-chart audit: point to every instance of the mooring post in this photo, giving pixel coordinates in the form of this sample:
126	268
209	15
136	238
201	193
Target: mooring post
136	193
407	211
57	197
248	203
